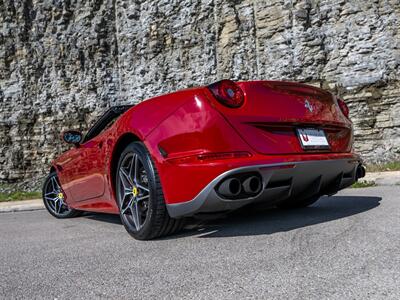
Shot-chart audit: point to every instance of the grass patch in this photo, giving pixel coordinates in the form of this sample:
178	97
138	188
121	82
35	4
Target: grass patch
17	196
363	184
392	166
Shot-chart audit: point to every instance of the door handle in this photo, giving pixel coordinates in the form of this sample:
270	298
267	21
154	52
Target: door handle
100	145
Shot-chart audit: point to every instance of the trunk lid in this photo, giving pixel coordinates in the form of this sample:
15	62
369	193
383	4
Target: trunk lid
273	110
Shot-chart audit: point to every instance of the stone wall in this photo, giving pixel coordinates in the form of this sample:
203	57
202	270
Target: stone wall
62	62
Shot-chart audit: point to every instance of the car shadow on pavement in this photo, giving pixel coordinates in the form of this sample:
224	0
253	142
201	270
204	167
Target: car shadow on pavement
254	221
250	221
109	218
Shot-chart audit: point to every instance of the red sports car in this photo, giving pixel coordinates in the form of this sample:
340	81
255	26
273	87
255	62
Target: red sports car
206	150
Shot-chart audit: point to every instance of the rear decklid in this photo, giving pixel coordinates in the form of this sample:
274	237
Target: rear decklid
273	111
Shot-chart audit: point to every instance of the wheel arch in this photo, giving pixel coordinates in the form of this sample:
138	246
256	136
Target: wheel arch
123	141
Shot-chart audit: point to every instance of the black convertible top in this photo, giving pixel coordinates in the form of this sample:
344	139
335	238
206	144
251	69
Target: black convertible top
108	116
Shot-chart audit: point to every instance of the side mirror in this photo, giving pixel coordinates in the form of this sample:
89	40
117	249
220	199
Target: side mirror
72	137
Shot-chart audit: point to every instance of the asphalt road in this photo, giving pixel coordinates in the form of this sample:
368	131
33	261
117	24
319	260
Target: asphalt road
344	247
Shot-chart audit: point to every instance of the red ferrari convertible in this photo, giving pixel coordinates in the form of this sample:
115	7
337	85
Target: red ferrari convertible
206	150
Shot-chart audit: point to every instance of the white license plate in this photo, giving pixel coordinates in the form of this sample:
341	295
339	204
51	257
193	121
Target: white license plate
312	138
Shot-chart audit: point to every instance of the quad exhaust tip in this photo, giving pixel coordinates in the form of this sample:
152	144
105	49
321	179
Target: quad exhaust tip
230	187
252	185
240	187
360	172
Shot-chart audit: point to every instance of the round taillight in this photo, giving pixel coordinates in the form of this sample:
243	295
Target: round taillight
343	107
227	93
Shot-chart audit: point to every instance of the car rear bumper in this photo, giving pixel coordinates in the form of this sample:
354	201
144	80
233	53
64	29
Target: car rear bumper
280	181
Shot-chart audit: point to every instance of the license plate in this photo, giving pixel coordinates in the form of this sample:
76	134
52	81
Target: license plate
311	138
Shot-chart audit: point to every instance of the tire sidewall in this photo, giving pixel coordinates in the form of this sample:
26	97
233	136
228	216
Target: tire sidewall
139	149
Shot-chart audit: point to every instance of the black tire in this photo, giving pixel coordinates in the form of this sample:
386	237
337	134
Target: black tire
57	208
157	221
293	204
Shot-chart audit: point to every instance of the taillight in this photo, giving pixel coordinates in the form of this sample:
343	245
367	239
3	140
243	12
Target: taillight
343	107
227	93
223	155
211	156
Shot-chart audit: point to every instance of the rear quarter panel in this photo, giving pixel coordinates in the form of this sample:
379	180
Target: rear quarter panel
194	128
145	120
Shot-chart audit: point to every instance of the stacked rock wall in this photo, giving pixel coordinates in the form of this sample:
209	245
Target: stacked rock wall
62	62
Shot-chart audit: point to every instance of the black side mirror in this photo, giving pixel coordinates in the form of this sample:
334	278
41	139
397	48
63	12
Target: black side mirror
72	137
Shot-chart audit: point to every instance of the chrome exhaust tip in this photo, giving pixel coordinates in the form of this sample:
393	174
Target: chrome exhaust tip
252	185
360	172
230	187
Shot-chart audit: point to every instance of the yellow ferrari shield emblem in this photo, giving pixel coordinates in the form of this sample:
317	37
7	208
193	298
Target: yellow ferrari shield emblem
135	191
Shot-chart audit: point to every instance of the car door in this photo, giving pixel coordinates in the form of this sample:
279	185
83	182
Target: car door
84	174
89	171
66	171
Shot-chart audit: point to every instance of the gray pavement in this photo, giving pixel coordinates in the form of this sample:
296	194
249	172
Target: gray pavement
344	247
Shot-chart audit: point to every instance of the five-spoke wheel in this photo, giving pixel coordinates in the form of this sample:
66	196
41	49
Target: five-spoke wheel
140	197
54	198
134	191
